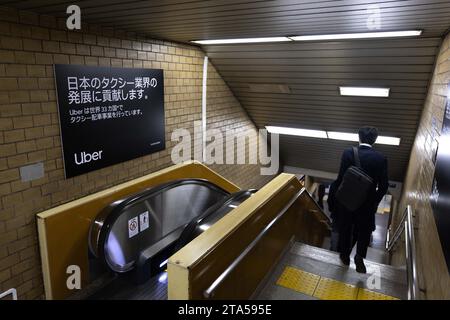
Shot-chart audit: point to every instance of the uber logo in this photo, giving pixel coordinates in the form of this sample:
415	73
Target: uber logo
86	157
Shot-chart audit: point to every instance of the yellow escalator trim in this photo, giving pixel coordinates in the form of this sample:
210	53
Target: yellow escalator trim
298	280
329	289
364	294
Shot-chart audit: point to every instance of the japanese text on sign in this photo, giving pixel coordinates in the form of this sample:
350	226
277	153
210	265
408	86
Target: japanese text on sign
91	90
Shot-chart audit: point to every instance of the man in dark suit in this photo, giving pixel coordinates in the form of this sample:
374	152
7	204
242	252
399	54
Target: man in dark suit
357	227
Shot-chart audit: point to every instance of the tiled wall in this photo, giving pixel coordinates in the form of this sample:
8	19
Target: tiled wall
29	129
434	276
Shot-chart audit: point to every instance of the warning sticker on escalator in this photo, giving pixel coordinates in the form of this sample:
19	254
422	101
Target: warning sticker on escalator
143	221
133	227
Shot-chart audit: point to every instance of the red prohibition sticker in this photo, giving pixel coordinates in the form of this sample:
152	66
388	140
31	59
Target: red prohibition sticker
133	227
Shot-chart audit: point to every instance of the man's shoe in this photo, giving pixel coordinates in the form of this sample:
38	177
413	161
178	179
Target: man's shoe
345	259
360	266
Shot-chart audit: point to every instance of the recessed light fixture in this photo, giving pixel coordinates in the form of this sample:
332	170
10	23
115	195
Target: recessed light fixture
298	132
346	136
361	35
162	264
242	40
364	92
163	278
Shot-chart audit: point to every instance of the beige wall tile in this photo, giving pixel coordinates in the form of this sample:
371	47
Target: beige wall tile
29	125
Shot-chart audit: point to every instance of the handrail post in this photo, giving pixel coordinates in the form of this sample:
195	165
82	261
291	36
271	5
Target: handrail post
410	251
397	233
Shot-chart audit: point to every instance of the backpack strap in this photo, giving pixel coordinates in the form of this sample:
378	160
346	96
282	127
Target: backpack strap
356	156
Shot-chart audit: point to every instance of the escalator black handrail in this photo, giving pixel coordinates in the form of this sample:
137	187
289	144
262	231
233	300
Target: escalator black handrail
410	253
122	203
209	292
112	212
192	225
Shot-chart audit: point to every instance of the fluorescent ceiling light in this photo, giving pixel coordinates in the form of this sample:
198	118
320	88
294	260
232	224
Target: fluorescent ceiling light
243	40
393	141
363	35
297	132
342	136
364	92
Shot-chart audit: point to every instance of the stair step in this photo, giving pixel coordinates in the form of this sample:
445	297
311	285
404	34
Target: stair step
317	263
387	272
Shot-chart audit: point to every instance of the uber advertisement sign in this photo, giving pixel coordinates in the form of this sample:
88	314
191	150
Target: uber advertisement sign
108	115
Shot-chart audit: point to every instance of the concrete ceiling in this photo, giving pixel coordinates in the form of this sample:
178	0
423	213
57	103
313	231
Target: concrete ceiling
311	72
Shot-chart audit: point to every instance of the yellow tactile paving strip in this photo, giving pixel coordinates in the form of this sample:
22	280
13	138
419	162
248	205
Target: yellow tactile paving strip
364	294
329	289
299	280
325	288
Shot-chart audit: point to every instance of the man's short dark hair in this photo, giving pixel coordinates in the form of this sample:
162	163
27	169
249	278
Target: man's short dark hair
368	135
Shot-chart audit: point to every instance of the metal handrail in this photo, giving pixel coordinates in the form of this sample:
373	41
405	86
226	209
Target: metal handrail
12	292
390	243
410	251
407	224
208	293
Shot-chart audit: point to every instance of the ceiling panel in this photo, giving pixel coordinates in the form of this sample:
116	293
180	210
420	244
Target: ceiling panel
184	20
313	72
298	82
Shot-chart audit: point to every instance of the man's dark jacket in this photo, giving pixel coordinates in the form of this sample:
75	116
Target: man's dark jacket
375	165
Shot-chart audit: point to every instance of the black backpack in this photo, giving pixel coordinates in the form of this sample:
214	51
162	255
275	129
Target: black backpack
355	186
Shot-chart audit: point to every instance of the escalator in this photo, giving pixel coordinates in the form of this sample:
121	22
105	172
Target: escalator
132	238
269	248
273	249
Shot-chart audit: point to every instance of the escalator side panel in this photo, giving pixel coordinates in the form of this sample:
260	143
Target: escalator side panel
153	258
135	223
199	224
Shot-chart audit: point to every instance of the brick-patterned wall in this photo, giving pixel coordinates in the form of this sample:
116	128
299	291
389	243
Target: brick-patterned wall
225	113
434	276
29	130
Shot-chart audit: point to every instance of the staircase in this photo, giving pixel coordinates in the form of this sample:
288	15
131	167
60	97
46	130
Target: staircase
310	273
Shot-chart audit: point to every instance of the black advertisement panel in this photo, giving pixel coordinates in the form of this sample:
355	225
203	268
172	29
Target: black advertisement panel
108	115
440	198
